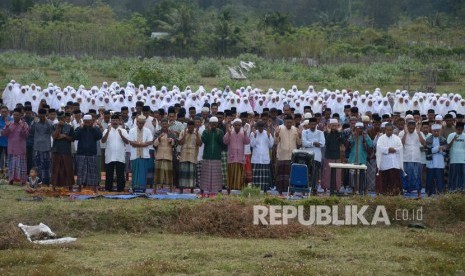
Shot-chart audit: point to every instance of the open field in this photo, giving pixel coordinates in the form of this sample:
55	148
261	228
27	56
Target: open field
67	70
217	237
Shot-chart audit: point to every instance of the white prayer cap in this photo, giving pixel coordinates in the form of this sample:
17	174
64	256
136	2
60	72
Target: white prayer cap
306	123
383	125
237	120
365	118
333	121
87	117
205	109
438	118
213	120
359	124
436	127
141	118
307	115
410	117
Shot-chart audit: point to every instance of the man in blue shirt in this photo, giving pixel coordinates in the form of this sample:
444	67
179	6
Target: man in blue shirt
4	117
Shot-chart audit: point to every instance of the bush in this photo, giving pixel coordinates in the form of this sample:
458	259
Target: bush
75	77
347	71
208	67
33	76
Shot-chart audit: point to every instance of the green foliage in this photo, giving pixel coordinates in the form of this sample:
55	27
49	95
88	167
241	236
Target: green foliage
75	77
348	71
208	67
250	192
34	76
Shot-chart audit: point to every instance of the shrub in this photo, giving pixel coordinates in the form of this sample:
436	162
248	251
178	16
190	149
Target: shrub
208	67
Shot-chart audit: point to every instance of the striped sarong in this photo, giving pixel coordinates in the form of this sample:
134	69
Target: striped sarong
261	176
210	177
283	175
87	170
456	177
42	162
187	173
224	168
62	170
17	168
139	170
248	168
236	176
164	172
199	170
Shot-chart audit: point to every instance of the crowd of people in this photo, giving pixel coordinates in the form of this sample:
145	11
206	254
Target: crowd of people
227	139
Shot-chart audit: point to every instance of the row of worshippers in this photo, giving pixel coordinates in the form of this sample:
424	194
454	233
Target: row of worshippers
244	99
236	151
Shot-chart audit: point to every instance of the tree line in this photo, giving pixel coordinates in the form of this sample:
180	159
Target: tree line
334	30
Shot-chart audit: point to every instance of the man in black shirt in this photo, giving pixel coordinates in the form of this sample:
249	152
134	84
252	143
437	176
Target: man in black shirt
62	159
86	155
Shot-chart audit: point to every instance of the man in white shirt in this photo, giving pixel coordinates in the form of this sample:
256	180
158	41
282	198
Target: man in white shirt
115	138
312	141
389	160
261	141
413	140
456	143
141	140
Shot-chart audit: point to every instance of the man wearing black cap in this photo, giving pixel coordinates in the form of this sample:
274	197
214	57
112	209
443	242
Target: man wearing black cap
42	130
456	143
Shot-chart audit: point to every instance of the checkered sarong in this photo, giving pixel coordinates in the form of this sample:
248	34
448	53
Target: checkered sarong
17	168
127	167
211	176
164	172
87	170
224	168
42	161
261	176
187	173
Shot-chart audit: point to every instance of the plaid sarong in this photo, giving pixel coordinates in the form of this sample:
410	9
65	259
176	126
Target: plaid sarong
62	170
236	176
42	161
17	168
224	168
199	170
164	172
187	173
261	176
87	170
127	167
210	178
283	175
371	174
151	169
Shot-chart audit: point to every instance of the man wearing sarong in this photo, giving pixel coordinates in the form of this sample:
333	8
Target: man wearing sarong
413	140
333	142
62	158
210	176
373	132
312	141
115	138
141	140
236	139
436	147
86	154
164	141
175	126
190	142
4	119
288	138
360	146
261	141
456	141
389	160
41	129
16	133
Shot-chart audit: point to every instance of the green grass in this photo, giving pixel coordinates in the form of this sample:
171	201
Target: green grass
216	237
